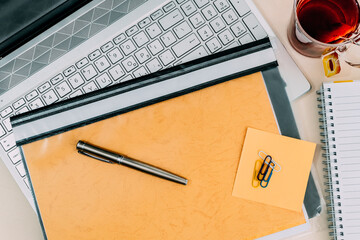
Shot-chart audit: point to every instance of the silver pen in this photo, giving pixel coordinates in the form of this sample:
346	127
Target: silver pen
110	157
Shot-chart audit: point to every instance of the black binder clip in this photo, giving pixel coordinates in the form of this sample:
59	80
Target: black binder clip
263	175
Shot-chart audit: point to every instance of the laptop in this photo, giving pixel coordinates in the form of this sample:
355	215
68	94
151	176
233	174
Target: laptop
56	50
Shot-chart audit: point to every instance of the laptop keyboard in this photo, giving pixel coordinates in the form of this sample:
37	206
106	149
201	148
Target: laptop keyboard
178	32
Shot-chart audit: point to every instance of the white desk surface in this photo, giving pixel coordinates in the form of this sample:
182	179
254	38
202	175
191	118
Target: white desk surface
18	221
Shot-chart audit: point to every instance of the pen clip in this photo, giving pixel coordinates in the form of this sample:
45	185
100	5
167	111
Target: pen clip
95	157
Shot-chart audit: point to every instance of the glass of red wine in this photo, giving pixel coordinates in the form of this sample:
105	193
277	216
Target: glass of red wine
321	26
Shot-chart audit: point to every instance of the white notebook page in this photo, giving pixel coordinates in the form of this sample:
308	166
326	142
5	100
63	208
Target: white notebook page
342	112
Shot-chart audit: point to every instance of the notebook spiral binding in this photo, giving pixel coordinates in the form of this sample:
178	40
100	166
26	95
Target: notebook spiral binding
333	200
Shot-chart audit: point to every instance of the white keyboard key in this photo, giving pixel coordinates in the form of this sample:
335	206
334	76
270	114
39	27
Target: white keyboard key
167	57
182	29
116	72
127	78
153	30
95	54
128	47
57	79
23	110
129	63
155	47
157	14
201	3
44	87
102	64
143	23
50	97
232	45
168	39
70	70
217	24
37	103
140	72
8	142
246	39
89	72
226	37
131	31
76	80
30	96
142	55
205	32
106	47
103	80
255	28
188	8
15	155
221	5
213	45
62	89
21	169
90	87
240	6
186	45
154	65
197	20
169	6
119	38
26	180
19	103
7	111
82	63
2	131
230	16
238	29
140	39
171	19
7	124
76	93
209	12
115	55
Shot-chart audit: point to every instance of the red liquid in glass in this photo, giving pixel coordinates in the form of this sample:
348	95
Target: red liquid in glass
328	21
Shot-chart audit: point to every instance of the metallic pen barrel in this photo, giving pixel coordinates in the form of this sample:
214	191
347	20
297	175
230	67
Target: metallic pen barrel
111	157
151	170
99	153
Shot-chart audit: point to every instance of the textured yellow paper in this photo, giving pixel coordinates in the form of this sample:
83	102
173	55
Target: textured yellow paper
287	187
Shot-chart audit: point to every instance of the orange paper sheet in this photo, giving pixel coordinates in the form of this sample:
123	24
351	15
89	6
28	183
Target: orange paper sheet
198	136
286	188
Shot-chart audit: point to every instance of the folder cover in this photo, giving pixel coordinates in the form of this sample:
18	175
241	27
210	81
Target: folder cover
197	135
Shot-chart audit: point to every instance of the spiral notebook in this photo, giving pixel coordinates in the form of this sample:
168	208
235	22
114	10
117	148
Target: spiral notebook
340	108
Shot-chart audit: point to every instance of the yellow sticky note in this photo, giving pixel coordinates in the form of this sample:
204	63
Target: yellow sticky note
286	188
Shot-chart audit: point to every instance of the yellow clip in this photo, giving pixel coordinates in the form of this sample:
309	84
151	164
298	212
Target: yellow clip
255	182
